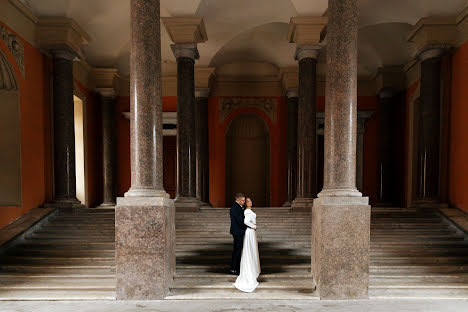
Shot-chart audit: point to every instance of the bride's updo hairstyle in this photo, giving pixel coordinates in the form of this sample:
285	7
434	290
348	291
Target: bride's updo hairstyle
247	199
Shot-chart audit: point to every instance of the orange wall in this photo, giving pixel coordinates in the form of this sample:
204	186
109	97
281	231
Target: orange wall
35	132
458	165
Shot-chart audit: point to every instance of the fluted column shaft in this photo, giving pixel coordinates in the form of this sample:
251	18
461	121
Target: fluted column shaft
429	129
108	149
64	128
291	164
201	126
146	137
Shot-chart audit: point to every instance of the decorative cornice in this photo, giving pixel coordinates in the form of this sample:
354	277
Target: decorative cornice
59	33
290	78
203	76
230	104
7	76
14	45
306	30
185	29
24	10
431	31
103	78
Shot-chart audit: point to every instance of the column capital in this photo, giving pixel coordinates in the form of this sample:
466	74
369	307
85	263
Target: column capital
306	30
109	93
432	51
292	93
390	77
189	29
386	93
61	33
307	51
185	50
202	92
63	53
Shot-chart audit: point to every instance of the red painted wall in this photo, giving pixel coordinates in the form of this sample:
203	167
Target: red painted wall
458	165
35	132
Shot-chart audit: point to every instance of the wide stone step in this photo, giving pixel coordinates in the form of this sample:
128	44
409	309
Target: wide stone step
418	260
41	282
441	281
226	283
88	270
56	294
386	292
54	244
233	294
61	252
49	237
221	272
57	261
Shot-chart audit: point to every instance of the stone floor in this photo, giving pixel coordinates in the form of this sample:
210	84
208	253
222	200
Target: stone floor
237	305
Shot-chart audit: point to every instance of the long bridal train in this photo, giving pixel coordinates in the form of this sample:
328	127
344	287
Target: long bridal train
250	261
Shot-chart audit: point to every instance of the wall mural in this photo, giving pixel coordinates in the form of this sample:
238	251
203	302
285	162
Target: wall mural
228	105
14	45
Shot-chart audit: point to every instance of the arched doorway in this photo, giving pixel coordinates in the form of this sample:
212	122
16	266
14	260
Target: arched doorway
248	160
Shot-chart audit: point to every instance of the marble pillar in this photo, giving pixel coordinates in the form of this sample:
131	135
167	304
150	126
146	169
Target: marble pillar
144	218
291	164
201	127
340	215
186	199
306	188
109	167
386	158
64	131
428	158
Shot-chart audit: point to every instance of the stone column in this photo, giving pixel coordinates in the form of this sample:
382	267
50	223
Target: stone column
64	131
108	97
201	126
341	216
386	132
144	218
291	165
186	197
306	188
429	128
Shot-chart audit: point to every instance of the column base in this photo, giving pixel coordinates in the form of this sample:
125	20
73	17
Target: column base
144	247
187	204
340	247
106	205
206	205
302	204
64	204
287	204
429	203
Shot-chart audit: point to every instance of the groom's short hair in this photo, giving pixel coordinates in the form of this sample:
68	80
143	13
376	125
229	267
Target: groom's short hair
239	195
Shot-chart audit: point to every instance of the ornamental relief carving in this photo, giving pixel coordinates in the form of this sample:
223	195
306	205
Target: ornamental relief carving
266	105
14	45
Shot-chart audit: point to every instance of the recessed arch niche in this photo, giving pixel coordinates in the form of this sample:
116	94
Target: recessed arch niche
10	136
248	159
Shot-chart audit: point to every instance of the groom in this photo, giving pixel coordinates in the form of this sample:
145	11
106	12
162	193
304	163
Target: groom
237	231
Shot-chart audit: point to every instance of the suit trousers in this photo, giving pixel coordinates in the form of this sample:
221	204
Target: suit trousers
237	252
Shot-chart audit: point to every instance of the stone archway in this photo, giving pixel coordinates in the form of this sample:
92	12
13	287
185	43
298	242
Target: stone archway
248	159
10	138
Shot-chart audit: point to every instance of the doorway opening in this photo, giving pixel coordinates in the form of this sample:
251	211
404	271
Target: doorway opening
81	193
248	160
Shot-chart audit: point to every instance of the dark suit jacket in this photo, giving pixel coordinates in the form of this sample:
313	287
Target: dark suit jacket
238	226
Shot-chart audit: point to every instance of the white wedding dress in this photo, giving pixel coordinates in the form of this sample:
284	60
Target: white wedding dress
250	260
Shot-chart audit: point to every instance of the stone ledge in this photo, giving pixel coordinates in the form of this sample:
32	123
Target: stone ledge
22	224
457	216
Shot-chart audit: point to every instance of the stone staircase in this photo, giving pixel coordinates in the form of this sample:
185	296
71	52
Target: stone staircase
70	256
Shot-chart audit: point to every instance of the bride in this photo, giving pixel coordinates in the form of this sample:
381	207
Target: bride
250	261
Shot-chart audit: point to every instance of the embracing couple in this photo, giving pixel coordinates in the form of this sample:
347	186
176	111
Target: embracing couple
245	258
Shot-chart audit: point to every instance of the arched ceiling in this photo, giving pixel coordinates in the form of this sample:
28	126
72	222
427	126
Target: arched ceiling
246	30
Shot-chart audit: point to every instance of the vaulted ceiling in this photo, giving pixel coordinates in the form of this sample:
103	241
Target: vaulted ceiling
246	30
